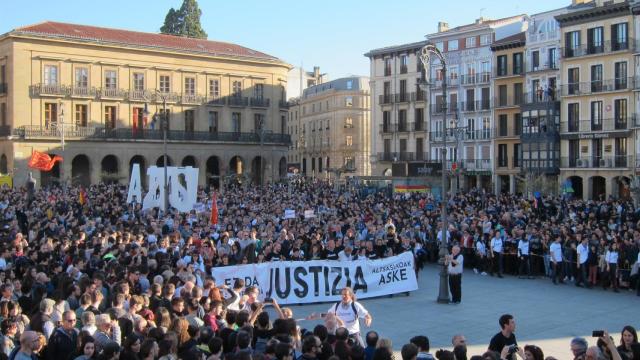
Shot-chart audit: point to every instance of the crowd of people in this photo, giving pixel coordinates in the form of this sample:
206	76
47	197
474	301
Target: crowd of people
85	275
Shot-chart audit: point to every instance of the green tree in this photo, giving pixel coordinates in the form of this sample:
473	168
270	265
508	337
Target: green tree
184	21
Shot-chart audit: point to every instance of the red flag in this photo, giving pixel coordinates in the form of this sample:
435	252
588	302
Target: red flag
82	197
135	122
145	115
42	161
214	210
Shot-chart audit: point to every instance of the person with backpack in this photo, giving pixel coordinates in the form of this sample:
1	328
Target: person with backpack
348	313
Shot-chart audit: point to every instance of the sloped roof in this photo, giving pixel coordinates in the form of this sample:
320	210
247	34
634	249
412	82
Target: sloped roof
100	35
515	40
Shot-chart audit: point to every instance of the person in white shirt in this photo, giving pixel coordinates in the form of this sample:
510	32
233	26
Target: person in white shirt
555	250
455	263
347	254
348	313
496	253
611	259
523	256
481	257
583	256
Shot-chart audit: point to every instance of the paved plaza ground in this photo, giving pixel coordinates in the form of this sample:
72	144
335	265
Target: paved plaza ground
546	315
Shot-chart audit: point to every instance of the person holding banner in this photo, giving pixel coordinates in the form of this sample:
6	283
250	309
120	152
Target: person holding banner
348	312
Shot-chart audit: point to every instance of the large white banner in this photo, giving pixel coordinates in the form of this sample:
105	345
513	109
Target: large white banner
298	282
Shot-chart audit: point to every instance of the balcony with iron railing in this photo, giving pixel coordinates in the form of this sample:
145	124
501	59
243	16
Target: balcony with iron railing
577	126
508	71
237	101
124	134
540	96
191	99
477	134
49	90
259	102
387	71
436	109
420	126
542	66
170	97
508	101
475	79
597	86
283	104
477	105
437	136
477	164
112	93
437	83
419	96
606	47
546	166
402	97
397	156
403	69
598	162
509	130
83	92
215	100
385	99
388	128
140	95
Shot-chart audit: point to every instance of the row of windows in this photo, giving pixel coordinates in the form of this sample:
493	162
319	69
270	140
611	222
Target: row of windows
469	42
404	65
52	116
348	102
81	80
348	162
596	72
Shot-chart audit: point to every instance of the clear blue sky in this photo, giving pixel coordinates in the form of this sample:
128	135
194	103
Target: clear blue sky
328	33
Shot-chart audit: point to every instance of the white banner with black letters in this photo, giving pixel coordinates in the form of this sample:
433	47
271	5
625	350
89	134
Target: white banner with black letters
299	282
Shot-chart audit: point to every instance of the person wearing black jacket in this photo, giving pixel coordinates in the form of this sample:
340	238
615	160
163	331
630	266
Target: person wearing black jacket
64	339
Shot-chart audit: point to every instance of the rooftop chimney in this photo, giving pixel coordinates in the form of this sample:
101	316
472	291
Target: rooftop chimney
443	26
480	20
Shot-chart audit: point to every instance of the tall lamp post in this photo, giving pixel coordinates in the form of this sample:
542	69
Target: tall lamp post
425	57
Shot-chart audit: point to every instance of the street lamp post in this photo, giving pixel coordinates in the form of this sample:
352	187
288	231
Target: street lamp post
425	57
164	124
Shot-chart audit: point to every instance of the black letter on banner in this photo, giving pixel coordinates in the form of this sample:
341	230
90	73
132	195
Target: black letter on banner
360	283
346	274
326	280
316	286
287	278
334	289
296	276
270	291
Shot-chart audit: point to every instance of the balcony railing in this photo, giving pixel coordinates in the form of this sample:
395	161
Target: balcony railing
261	102
237	101
499	72
482	134
101	133
397	156
597	86
601	48
402	97
112	93
508	101
190	99
420	126
283	104
403	127
403	69
386	99
437	108
387	71
215	100
477	164
541	96
508	131
475	79
49	90
452	81
387	128
477	105
438	135
419	96
541	165
543	66
4	88
140	95
595	162
596	125
84	92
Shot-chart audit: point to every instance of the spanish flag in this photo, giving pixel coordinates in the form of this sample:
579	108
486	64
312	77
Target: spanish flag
214	210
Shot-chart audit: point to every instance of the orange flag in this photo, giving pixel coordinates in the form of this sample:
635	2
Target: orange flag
214	210
42	161
82	197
